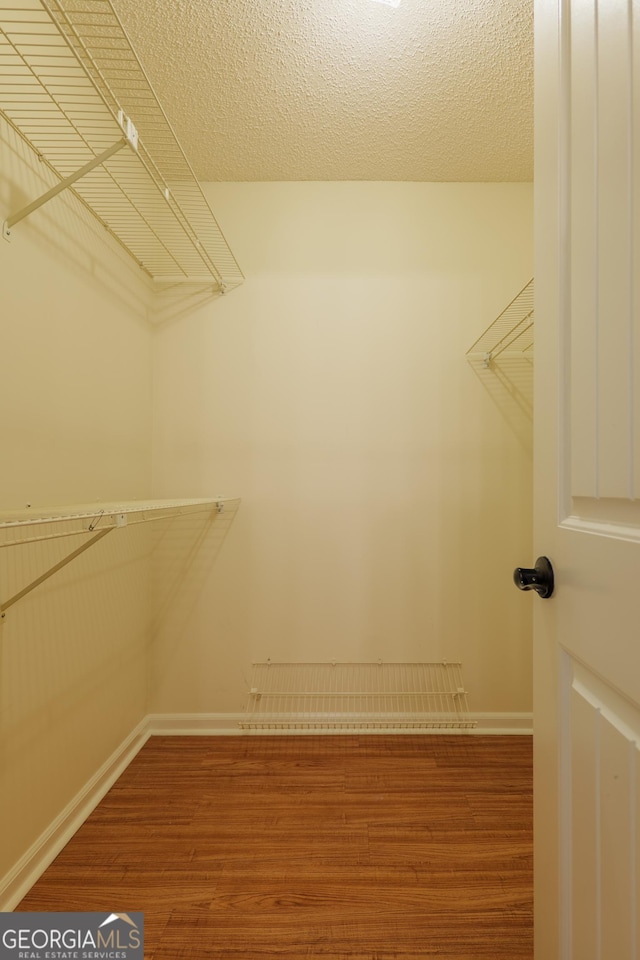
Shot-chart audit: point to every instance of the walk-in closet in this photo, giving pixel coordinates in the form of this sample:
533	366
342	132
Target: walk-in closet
267	331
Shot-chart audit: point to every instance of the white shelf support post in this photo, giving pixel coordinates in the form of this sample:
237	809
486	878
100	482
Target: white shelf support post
130	138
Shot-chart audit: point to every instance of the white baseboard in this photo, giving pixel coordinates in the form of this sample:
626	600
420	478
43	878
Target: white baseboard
503	724
194	724
227	724
19	880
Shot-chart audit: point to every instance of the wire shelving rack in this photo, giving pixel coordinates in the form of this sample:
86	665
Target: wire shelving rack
357	696
511	333
73	88
90	523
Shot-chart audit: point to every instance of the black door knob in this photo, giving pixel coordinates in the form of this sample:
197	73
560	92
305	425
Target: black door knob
540	578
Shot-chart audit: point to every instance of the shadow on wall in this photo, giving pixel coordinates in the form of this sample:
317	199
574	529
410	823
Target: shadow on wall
183	552
509	382
72	675
173	302
66	640
76	638
74	654
502	359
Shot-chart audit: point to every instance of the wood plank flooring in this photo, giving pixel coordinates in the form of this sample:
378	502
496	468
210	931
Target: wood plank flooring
373	848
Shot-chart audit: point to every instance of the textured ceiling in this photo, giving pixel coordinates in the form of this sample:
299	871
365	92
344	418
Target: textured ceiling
343	89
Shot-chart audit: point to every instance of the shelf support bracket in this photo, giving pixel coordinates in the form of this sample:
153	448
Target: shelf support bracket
63	185
50	572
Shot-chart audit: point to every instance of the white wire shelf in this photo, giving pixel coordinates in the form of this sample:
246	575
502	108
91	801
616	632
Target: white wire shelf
17	526
72	87
357	696
92	522
510	334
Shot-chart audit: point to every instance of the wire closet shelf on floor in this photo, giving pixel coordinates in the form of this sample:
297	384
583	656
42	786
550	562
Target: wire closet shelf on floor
92	522
73	89
357	696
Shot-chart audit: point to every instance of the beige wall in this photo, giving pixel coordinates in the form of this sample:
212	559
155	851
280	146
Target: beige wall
386	489
386	495
75	396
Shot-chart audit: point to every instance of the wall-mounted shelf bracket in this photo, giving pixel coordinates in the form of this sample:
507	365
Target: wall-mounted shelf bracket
130	138
4	606
502	359
510	335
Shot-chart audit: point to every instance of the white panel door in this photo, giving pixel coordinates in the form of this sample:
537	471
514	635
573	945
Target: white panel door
587	463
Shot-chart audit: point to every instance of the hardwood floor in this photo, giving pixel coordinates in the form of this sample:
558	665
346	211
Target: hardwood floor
375	848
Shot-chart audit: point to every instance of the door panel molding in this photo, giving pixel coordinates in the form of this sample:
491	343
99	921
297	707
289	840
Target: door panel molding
600	816
598	308
601	528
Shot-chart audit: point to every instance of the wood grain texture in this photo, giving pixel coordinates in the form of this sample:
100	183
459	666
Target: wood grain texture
376	848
